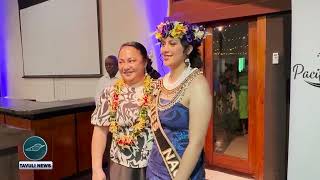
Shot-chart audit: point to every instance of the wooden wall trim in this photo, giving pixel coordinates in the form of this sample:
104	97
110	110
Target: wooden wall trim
232	163
170	2
18	122
197	11
260	103
208	72
252	83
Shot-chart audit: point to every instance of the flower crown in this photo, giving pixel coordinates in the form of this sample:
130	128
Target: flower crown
190	33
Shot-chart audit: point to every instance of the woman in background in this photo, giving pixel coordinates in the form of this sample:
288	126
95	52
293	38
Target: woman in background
124	110
183	106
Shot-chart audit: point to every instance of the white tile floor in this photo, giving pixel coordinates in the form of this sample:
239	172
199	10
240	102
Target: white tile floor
216	175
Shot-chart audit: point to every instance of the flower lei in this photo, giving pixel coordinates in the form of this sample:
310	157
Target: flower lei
191	33
125	140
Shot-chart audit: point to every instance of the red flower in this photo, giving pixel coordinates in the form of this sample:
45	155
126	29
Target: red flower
114	106
120	142
145	100
116	97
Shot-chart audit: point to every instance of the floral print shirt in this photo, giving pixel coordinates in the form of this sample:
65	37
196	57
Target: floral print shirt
134	156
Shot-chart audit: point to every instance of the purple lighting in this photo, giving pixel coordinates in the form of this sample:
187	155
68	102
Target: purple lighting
157	11
3	56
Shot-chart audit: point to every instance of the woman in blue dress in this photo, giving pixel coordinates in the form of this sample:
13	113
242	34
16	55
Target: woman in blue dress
183	106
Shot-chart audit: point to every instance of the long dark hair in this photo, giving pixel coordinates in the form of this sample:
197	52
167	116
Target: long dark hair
152	72
194	56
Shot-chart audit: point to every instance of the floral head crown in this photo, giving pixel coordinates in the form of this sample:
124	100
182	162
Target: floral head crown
190	33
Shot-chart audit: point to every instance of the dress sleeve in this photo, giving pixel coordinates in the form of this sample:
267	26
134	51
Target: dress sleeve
100	116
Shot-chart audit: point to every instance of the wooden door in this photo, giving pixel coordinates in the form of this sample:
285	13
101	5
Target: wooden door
234	64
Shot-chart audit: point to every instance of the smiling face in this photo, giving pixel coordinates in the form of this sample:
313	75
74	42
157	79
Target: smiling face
131	65
172	52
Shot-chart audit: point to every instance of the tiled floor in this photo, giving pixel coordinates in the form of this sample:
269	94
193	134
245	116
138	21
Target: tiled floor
216	175
238	147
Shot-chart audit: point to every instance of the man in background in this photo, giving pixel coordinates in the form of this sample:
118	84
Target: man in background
112	75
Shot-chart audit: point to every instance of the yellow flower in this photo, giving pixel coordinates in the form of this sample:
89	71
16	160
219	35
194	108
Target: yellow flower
147	85
118	85
113	127
158	35
178	31
142	121
138	127
147	81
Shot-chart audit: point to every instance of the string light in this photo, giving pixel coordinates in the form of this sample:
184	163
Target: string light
237	41
240	53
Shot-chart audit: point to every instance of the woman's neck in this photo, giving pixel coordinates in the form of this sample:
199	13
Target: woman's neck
135	84
176	72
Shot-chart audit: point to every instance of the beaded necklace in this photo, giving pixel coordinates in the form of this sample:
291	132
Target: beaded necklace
186	72
177	92
125	140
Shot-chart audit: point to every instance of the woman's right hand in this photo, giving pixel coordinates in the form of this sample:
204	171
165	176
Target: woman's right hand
98	175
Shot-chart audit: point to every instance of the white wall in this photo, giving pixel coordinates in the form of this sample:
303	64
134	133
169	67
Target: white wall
304	131
122	21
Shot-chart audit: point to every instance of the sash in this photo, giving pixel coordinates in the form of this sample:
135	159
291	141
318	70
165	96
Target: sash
168	153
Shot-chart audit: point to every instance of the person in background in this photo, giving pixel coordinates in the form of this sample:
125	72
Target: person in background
111	66
243	100
124	110
184	106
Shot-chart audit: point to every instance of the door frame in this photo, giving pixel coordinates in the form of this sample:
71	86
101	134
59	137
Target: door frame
254	165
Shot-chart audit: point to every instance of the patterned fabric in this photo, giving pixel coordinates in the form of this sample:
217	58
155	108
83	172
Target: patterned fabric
135	156
175	123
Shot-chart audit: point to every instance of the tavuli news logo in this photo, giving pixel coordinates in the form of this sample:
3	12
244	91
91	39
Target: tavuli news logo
35	148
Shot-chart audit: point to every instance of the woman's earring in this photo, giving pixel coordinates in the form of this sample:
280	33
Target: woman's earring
187	61
145	70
